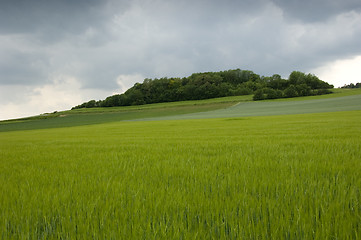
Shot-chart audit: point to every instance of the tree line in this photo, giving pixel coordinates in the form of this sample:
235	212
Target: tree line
215	84
351	85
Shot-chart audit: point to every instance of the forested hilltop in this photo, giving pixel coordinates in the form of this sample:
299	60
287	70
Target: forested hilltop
215	84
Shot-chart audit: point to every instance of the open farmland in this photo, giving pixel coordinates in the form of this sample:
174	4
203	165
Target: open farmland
268	108
81	117
237	106
254	177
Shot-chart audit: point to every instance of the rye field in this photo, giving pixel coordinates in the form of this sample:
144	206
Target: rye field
283	176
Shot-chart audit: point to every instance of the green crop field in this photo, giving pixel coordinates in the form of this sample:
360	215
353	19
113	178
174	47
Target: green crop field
80	117
237	176
238	106
268	108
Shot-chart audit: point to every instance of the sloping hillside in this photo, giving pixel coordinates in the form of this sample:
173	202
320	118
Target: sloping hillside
236	106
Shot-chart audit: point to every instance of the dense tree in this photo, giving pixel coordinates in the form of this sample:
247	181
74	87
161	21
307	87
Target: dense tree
351	85
276	82
259	95
215	84
298	78
303	90
291	91
273	93
267	93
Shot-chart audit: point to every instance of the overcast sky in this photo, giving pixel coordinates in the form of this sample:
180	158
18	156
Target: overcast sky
55	54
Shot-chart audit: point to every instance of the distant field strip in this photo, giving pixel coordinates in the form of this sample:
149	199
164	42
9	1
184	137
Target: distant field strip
236	106
268	108
105	115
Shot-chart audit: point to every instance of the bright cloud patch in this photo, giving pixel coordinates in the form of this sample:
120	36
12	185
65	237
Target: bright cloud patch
63	93
127	81
341	72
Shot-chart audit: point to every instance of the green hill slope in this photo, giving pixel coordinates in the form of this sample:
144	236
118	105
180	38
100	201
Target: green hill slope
239	106
268	108
91	116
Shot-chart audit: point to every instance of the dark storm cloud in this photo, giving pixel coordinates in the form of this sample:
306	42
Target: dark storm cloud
26	16
97	40
39	38
51	21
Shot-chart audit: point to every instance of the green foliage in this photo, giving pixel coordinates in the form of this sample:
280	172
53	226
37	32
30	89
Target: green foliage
259	95
298	78
213	85
303	90
351	85
322	91
276	82
267	93
291	91
298	84
280	177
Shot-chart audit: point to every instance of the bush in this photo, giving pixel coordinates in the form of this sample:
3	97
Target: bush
259	95
322	91
290	92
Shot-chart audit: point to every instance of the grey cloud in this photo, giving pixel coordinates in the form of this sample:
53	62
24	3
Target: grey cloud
22	68
316	10
163	41
51	21
27	16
